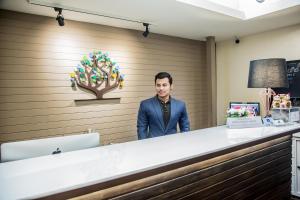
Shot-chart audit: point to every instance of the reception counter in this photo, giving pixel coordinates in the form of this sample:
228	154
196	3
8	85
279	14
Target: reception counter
212	163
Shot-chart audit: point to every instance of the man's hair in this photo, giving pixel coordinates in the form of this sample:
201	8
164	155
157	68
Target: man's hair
162	75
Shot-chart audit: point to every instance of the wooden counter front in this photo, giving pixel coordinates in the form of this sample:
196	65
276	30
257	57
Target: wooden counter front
214	163
261	171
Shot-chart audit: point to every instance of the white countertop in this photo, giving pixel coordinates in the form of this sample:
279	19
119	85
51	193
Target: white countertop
46	175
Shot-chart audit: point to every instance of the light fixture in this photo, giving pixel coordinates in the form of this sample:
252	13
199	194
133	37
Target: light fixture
60	18
260	1
146	32
268	73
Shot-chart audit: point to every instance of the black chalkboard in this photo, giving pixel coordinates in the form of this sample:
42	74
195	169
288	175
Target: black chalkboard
293	73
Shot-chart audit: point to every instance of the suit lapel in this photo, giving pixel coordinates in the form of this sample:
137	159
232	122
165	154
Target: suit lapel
157	109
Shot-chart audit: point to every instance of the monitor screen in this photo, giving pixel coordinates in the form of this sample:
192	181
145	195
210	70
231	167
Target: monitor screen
252	107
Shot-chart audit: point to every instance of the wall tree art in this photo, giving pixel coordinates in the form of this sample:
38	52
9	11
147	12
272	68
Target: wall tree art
97	73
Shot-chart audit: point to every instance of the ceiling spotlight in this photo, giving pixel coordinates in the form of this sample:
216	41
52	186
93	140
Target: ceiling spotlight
60	18
260	1
146	33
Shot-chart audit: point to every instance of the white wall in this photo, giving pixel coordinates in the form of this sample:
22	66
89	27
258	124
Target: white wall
233	63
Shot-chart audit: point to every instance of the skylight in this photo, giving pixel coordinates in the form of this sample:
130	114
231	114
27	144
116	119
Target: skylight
243	9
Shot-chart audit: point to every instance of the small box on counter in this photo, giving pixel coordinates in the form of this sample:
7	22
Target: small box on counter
286	114
244	122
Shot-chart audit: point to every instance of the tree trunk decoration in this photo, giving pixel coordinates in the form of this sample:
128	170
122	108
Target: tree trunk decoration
98	74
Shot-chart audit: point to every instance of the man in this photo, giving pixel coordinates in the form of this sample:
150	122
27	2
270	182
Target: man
159	115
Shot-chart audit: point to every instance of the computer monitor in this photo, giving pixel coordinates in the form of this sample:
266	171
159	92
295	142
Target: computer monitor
251	106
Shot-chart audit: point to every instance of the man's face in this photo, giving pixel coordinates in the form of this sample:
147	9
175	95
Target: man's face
163	87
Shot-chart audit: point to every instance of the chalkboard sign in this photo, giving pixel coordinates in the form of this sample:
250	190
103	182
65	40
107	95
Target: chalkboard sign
293	73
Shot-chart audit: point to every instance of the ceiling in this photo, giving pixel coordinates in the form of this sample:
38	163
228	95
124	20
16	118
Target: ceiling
193	19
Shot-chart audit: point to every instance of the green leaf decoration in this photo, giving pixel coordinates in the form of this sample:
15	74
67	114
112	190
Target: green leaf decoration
94	79
88	63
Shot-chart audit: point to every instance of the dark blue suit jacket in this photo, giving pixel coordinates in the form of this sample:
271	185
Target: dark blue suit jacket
150	121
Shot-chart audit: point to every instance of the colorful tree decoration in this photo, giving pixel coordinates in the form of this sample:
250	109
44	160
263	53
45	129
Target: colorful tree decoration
98	73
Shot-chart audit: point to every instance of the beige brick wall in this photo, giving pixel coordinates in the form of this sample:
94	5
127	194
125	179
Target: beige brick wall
36	57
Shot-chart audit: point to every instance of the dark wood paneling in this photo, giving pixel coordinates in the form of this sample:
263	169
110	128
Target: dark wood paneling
240	182
236	186
248	171
211	185
151	177
266	184
278	193
223	170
